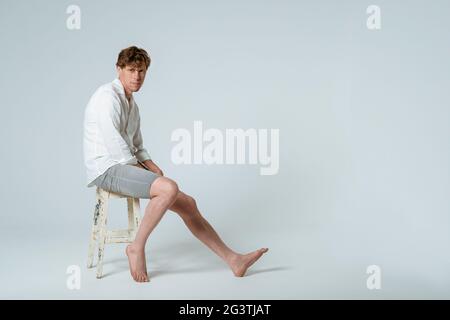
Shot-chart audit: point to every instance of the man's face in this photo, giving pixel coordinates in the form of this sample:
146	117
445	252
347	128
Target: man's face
132	77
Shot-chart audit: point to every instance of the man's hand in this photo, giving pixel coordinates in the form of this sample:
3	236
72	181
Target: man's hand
150	165
139	165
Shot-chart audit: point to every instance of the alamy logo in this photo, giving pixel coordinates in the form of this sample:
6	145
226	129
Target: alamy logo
374	280
73	281
73	22
235	146
374	20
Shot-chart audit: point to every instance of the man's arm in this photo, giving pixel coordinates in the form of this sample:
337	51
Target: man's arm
141	153
108	120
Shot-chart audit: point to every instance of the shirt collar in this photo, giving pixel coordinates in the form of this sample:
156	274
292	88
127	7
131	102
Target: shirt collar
118	84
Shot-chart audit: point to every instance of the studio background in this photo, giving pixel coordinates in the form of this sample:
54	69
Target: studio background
364	145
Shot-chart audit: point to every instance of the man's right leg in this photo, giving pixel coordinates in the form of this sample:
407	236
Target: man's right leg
163	192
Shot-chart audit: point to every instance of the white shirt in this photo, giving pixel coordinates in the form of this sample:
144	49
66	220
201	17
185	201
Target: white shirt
112	131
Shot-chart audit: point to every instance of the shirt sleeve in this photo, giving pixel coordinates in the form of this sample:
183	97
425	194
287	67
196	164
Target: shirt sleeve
141	153
108	119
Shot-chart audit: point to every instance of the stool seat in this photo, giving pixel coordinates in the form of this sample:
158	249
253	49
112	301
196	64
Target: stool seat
100	235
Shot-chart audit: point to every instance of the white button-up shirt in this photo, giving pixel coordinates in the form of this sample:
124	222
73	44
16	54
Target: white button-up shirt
112	131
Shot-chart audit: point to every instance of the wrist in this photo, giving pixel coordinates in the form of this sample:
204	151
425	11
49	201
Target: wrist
150	165
148	161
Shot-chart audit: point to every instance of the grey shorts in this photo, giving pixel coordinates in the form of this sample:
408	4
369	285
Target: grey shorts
128	180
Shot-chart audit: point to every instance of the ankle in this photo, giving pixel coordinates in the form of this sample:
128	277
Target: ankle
231	257
136	246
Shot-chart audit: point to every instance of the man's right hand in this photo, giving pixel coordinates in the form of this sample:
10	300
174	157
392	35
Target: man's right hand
155	169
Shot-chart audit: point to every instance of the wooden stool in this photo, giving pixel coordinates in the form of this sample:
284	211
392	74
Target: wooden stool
101	235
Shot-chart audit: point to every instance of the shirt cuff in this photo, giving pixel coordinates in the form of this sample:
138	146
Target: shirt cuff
142	155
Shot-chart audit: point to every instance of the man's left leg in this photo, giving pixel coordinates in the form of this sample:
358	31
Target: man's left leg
185	206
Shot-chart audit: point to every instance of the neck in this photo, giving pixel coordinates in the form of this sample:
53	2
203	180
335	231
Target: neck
128	95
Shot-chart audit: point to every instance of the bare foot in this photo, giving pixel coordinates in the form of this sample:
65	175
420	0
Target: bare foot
242	262
136	259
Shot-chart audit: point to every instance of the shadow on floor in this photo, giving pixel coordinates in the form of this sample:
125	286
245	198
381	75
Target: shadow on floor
177	258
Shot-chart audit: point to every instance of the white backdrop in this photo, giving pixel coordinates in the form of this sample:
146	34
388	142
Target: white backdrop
363	117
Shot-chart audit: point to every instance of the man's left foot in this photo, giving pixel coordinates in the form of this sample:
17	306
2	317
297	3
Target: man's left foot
242	262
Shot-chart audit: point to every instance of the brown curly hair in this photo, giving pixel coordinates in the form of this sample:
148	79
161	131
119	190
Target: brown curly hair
133	56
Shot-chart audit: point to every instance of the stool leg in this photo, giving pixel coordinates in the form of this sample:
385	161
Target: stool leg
94	234
133	217
102	235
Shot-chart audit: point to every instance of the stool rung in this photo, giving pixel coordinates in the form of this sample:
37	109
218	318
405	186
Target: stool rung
119	236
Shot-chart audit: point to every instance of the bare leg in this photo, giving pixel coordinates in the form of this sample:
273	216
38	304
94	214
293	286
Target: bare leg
186	207
163	193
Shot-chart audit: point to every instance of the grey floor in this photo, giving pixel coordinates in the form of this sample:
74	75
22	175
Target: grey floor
297	266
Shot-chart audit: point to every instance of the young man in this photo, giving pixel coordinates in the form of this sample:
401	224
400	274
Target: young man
117	161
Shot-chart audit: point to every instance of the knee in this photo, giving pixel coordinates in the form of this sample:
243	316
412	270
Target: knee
172	189
167	188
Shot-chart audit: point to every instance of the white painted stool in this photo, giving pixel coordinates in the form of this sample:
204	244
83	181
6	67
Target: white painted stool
101	235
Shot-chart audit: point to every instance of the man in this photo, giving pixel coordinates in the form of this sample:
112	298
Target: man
117	161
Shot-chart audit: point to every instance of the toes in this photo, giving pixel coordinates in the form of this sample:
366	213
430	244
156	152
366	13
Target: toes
142	278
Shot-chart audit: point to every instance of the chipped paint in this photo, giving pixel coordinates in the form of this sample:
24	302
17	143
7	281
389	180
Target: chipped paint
101	236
